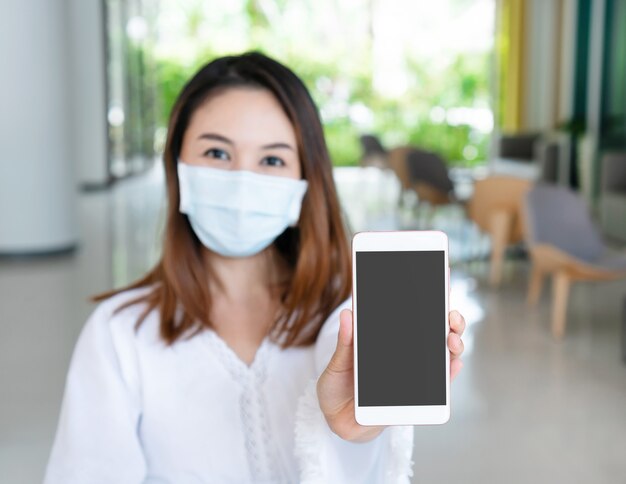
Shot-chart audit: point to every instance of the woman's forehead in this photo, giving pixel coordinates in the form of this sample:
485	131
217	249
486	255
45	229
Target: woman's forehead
243	114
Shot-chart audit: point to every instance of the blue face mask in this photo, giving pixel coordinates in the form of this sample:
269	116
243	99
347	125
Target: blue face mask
238	213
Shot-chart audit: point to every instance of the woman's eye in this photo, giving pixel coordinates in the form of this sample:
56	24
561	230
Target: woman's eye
217	154
272	161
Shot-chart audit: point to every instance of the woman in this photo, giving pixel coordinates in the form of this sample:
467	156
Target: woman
231	360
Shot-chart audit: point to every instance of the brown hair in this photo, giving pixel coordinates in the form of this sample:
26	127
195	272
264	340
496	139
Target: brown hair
316	251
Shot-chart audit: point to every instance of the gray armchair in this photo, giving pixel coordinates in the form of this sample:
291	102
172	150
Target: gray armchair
374	154
564	243
429	176
519	147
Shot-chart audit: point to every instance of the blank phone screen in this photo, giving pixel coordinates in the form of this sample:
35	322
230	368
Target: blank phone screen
400	304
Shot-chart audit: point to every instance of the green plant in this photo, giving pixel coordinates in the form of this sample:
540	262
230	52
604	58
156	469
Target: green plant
340	79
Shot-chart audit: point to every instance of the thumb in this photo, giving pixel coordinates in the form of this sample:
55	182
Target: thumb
343	358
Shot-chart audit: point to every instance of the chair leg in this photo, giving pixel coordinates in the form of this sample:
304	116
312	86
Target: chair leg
535	285
561	285
500	225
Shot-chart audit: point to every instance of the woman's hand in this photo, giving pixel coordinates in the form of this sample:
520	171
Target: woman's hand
455	343
335	388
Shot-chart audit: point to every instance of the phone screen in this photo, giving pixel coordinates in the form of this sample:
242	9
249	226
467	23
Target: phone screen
400	304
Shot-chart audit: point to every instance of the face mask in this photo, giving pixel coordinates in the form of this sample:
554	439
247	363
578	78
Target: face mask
238	213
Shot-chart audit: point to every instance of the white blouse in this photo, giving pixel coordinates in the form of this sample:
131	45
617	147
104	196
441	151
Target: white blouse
138	411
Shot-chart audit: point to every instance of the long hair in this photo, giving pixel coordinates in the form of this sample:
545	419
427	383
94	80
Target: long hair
316	250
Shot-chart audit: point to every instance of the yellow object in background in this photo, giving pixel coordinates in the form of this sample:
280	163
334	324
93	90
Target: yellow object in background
511	64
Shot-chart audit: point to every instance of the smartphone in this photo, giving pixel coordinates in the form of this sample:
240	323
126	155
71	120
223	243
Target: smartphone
400	309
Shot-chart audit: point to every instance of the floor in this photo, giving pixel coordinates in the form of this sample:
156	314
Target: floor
524	409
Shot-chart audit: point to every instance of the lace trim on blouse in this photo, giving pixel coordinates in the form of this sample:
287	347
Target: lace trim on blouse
260	451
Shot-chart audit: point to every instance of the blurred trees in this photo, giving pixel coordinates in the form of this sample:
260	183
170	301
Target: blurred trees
445	106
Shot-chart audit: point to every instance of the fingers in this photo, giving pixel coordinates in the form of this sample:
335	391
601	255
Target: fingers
343	358
455	345
455	368
345	327
457	322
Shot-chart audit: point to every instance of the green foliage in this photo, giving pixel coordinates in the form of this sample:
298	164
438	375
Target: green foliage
171	78
343	142
140	113
576	126
338	84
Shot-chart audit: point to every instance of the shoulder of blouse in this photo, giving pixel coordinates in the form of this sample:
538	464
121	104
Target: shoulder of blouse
122	321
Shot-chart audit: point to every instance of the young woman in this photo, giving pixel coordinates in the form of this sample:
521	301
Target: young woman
231	361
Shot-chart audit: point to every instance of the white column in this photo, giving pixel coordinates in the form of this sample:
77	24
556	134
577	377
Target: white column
596	52
88	94
568	59
588	162
569	18
541	59
37	186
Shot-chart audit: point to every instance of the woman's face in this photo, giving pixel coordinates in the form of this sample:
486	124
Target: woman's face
242	129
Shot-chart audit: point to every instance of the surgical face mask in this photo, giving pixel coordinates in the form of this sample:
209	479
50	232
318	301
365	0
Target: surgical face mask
238	213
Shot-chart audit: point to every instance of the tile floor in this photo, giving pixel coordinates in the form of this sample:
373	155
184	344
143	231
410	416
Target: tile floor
525	408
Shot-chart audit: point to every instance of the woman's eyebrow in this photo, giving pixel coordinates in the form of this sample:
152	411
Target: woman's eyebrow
216	137
278	145
224	139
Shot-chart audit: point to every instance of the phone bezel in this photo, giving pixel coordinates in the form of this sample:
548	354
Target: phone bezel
397	241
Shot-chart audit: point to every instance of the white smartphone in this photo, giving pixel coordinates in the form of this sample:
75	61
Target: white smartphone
400	307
